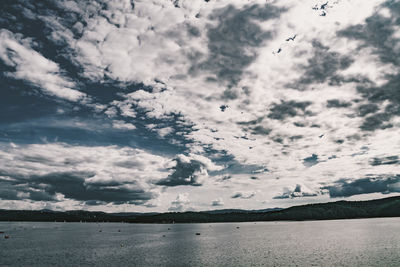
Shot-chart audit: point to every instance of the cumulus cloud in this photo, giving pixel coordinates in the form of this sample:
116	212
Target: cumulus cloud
118	124
181	203
73	185
189	170
58	172
298	191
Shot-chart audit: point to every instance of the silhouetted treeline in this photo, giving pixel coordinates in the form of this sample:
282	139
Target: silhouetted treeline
387	207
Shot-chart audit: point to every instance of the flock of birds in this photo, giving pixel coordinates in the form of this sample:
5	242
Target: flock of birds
323	8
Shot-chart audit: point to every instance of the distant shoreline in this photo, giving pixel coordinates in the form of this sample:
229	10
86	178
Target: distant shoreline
179	223
339	210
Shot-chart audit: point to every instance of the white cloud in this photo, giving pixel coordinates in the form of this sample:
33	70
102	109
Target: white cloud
132	167
164	131
32	67
181	203
118	124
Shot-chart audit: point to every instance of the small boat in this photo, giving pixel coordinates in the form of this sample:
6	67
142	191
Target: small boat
1	232
197	233
6	236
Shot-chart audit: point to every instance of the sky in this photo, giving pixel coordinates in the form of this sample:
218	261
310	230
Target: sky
181	105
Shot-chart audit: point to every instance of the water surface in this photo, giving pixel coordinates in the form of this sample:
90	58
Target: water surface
363	242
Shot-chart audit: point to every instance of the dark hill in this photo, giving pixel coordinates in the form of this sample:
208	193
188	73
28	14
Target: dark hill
386	207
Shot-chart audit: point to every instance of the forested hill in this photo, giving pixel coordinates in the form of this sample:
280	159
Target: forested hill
387	207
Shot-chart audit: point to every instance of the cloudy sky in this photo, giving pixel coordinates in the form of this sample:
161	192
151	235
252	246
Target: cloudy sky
174	105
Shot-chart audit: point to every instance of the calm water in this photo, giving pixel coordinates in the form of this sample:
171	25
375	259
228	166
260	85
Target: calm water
365	242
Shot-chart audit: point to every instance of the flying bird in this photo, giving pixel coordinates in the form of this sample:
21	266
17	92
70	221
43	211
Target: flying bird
322	135
291	38
323	6
323	14
223	107
277	52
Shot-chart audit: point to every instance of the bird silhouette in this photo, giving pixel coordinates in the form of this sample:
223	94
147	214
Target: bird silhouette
223	107
322	135
323	6
291	38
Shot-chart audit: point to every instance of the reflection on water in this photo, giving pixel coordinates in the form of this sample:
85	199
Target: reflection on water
364	242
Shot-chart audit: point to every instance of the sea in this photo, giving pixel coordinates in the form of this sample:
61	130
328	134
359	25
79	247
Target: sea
359	242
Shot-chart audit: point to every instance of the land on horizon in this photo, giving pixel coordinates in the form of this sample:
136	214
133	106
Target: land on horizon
385	207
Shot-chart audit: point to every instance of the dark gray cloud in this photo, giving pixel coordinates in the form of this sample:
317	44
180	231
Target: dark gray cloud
254	127
297	192
348	187
289	109
217	203
376	121
243	195
385	161
378	33
185	173
8	190
260	130
232	42
323	66
72	185
311	161
295	137
366	109
336	103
